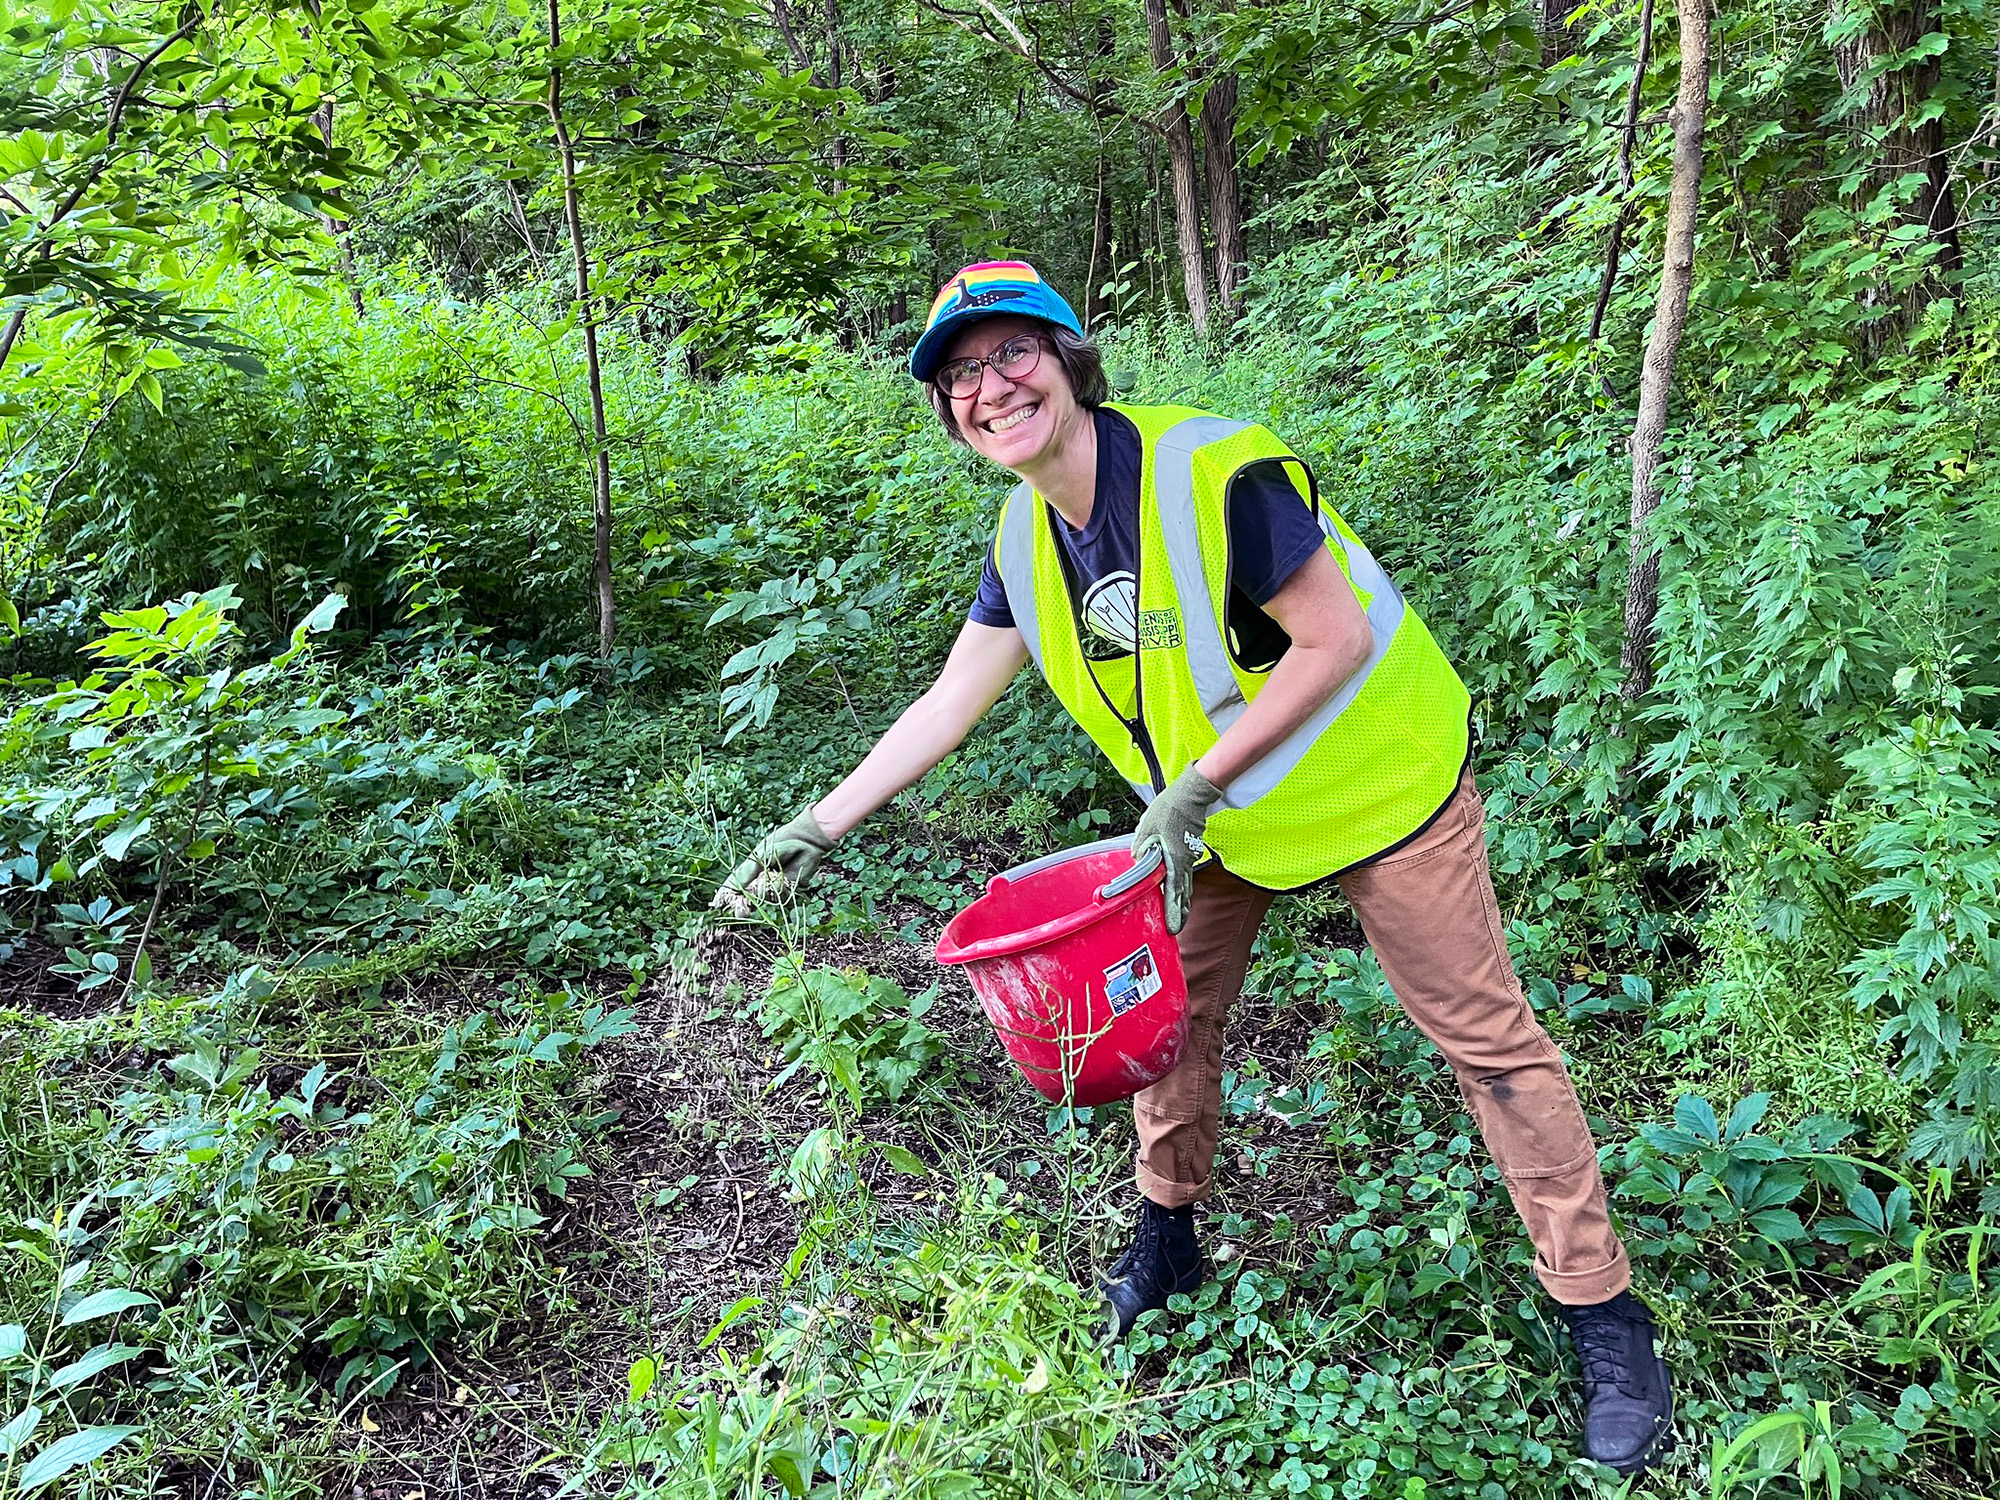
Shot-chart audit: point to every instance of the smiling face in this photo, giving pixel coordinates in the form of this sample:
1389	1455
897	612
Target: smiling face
1014	422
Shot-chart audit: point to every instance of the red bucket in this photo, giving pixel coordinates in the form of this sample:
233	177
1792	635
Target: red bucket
1072	961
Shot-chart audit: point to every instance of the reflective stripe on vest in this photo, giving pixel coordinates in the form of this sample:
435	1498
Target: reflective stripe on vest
1208	652
1358	791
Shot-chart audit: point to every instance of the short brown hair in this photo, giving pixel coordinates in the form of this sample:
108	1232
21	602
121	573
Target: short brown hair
1080	360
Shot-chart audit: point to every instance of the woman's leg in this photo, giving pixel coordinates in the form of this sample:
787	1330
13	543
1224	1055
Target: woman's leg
1178	1117
1429	913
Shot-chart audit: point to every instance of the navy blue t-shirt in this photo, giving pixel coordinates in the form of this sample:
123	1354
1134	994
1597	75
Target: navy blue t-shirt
1271	534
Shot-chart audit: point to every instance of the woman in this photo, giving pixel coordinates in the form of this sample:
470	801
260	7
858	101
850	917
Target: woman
1236	652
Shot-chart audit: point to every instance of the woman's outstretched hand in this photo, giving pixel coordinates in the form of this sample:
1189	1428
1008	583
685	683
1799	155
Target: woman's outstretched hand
785	859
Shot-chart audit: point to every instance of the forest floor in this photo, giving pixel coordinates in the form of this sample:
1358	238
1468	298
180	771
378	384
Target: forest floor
685	1216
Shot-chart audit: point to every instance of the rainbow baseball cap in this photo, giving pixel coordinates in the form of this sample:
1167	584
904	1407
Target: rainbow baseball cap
986	290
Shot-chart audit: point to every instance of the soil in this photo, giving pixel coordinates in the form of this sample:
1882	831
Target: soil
28	984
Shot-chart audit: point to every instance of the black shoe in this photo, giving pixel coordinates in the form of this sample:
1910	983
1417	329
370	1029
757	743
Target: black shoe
1164	1259
1628	1400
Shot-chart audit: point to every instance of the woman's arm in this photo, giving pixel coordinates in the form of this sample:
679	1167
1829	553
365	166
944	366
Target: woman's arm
982	663
1330	640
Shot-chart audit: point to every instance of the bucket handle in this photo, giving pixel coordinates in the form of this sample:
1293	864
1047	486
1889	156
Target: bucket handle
1143	866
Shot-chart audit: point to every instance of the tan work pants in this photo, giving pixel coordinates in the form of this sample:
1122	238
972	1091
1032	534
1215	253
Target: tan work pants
1428	911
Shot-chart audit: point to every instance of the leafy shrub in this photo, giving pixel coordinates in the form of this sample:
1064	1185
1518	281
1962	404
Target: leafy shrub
859	1033
47	1385
363	1212
1723	1177
1935	1315
157	758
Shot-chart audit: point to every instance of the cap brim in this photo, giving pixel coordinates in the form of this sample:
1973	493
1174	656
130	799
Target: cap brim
930	350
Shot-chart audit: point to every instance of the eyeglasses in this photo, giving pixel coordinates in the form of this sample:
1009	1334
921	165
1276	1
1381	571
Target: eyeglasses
1013	359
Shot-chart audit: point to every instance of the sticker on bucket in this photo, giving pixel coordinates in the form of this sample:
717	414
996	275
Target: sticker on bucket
1132	979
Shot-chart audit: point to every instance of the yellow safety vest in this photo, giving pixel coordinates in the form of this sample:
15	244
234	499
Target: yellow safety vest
1371	768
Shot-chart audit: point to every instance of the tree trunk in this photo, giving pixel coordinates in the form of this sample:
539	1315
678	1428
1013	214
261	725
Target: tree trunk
1100	235
337	229
1689	118
1552	26
1225	196
781	14
838	150
1100	209
1180	160
587	312
10	333
1888	103
1627	204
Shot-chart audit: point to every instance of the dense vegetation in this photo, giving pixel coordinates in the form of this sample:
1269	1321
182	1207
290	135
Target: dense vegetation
460	489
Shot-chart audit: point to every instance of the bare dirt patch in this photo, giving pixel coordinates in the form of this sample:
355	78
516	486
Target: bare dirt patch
28	984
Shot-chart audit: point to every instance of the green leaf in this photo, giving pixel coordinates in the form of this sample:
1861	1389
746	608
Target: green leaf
812	1159
322	617
18	1430
95	808
1748	1112
1778	1224
639	1379
1430	1277
324	614
905	1161
13	1340
785	1469
844	1067
549	1048
1696	1116
742	1306
71	1452
103	1357
106	1303
118	842
9	615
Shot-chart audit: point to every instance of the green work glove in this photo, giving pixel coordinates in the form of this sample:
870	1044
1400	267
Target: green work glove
784	859
1173	823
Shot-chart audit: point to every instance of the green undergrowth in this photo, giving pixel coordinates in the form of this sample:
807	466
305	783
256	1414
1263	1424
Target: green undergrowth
309	1198
938	1357
1373	1327
325	1128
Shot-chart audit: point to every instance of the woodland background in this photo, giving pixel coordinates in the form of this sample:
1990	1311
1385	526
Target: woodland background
459	487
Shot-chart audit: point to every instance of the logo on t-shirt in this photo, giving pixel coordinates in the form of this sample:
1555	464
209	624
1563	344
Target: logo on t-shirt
1111	614
1114	625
